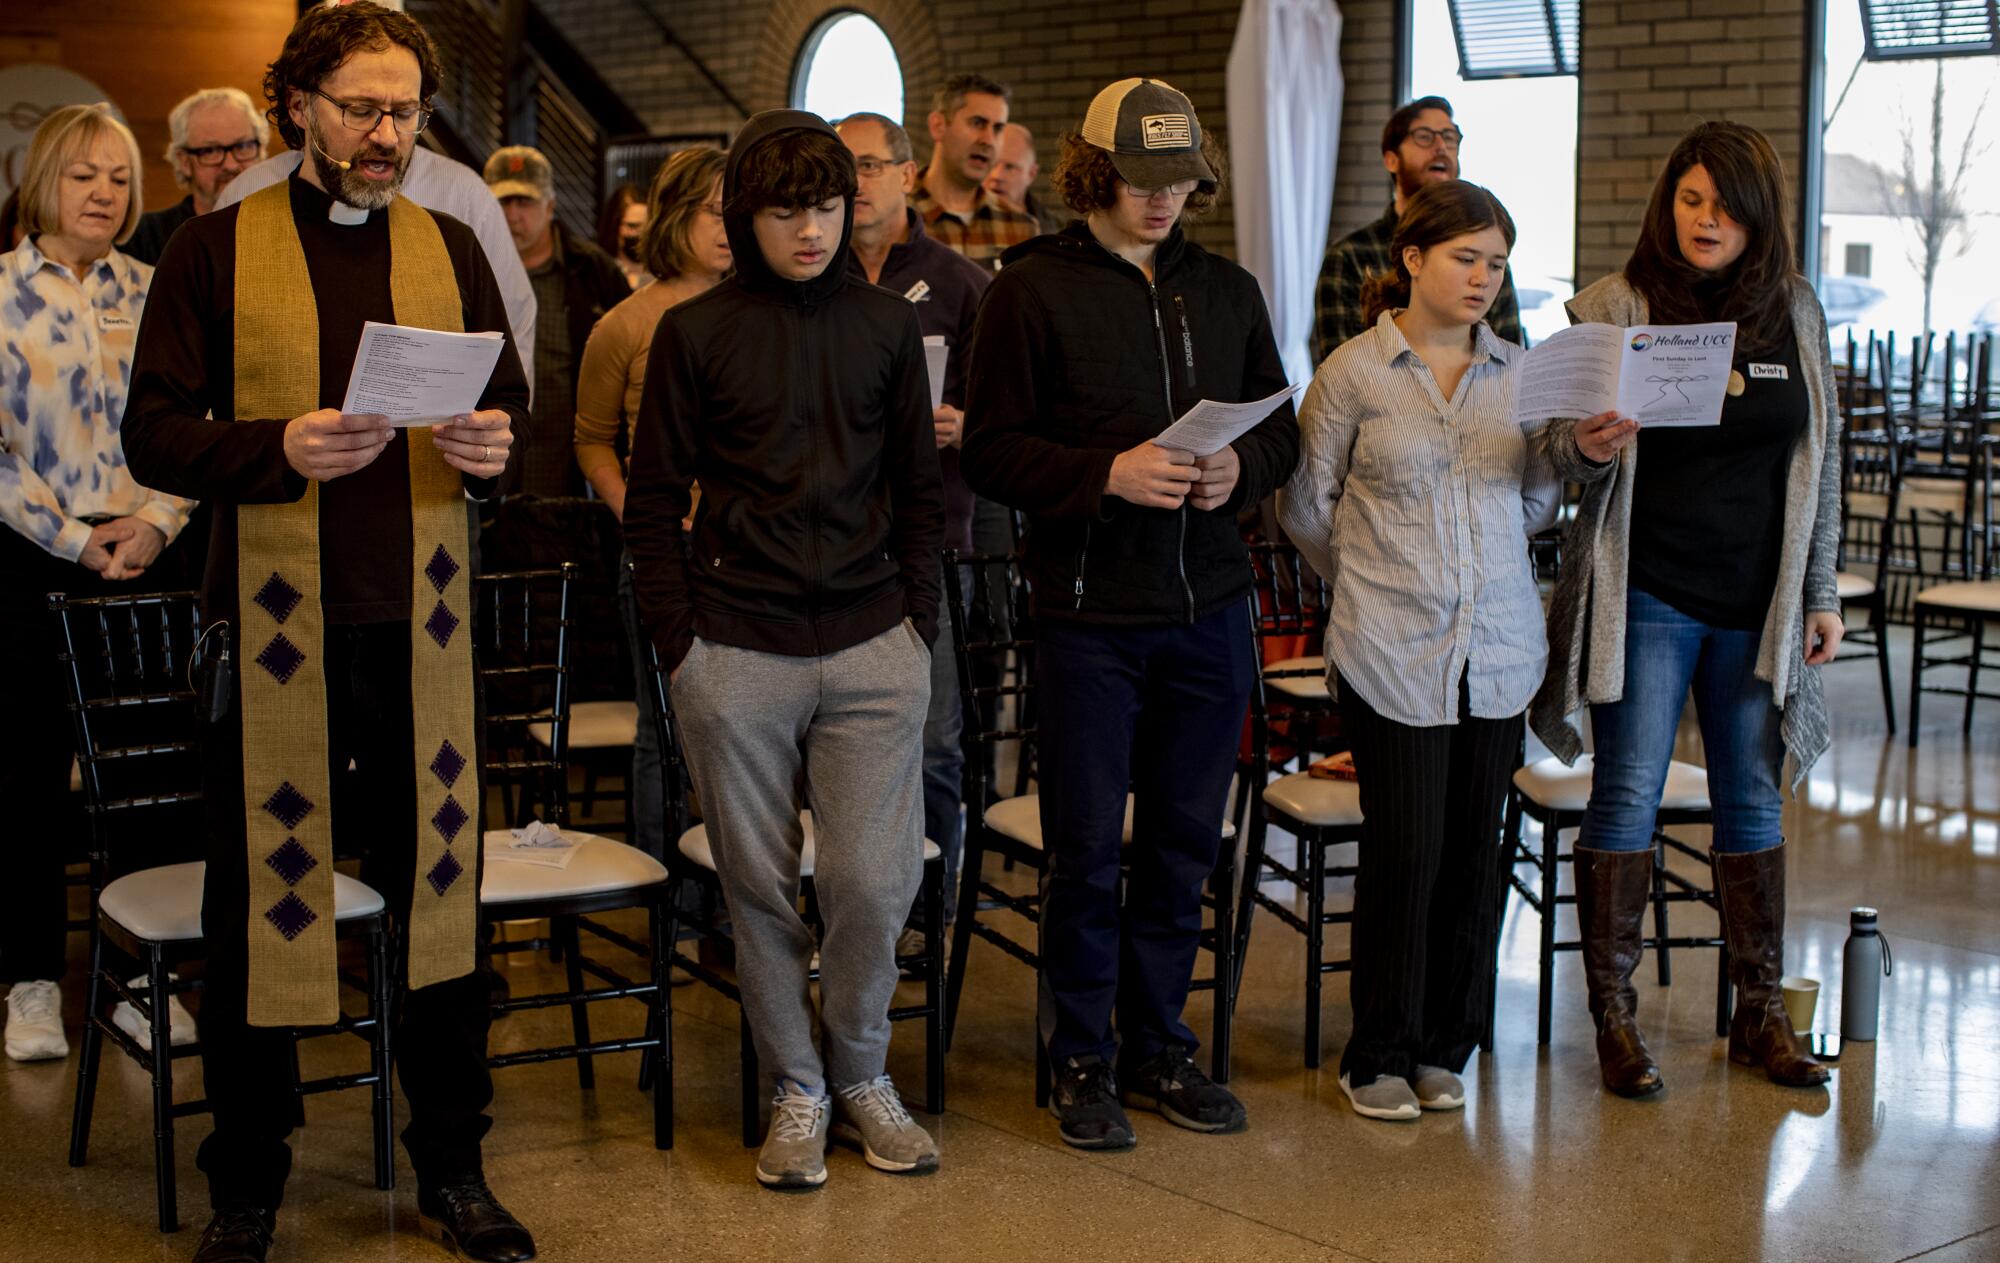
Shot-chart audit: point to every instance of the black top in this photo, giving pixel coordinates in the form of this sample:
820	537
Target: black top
1076	358
1708	509
184	371
947	309
803	409
149	239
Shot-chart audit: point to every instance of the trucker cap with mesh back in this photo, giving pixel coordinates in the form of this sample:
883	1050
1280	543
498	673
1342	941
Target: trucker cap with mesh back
1150	131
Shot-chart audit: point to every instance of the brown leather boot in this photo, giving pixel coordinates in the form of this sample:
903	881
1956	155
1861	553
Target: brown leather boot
1751	889
1612	888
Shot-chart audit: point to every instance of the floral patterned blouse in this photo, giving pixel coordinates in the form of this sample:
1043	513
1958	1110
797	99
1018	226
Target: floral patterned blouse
65	365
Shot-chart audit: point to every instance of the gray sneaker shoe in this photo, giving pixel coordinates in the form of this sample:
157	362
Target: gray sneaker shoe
1386	1097
794	1152
1438	1088
871	1117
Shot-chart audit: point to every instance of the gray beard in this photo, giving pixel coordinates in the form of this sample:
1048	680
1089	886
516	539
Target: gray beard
346	186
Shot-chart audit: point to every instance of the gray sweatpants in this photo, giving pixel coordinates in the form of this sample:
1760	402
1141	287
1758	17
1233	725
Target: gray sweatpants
766	735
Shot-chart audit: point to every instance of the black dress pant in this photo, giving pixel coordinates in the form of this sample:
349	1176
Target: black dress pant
1426	893
439	1031
1158	711
37	743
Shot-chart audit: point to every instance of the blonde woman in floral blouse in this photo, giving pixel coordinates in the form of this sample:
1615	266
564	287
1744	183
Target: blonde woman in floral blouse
76	521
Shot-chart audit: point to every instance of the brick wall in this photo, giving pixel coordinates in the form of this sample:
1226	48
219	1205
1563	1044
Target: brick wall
1654	68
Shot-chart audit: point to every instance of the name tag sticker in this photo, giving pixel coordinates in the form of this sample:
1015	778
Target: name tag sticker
1777	371
113	320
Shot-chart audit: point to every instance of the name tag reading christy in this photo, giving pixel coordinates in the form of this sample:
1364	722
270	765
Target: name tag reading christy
420	376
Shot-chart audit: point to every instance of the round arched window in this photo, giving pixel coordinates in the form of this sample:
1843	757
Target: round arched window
848	64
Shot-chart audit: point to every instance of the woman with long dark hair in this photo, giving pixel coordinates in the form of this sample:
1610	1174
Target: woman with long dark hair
1414	500
620	226
1709	565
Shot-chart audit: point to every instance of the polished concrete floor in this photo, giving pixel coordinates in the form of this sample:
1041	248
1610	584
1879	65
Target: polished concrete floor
1899	1159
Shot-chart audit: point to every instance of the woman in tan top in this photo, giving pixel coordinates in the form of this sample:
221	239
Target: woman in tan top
683	246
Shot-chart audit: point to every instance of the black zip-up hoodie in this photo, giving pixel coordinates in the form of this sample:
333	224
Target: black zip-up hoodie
803	410
1076	358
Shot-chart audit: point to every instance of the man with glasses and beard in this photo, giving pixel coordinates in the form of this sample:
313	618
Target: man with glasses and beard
1420	146
216	134
340	570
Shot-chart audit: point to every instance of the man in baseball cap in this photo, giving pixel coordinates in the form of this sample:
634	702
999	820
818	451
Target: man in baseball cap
575	283
1143	658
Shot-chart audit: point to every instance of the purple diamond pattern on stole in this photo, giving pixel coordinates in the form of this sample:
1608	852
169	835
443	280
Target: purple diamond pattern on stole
278	598
281	658
444	873
291	861
449	819
440	569
288	805
448	764
291	916
441	624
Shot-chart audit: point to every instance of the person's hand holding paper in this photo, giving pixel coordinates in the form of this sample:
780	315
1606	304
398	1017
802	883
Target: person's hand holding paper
476	443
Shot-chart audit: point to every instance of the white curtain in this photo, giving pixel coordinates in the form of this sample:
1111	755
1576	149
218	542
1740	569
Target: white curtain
1285	92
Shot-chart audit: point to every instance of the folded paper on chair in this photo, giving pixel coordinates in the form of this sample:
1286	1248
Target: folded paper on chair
543	845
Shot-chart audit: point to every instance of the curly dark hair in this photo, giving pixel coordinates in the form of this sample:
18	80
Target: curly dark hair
791	169
1086	180
325	38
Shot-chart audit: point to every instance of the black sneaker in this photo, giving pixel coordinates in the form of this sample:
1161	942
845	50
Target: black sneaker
1170	1083
1085	1103
237	1236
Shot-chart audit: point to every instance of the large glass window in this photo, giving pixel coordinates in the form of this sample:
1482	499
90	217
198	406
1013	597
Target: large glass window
1910	191
1531	168
848	64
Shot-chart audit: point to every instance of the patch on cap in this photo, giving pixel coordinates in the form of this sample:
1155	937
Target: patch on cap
1166	131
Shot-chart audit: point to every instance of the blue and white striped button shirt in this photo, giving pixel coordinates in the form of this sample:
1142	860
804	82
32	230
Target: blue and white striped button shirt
65	366
1417	511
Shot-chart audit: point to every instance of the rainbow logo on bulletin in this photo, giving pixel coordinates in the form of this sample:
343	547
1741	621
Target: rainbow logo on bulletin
1641	342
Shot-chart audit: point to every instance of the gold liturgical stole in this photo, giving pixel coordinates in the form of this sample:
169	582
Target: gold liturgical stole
287	793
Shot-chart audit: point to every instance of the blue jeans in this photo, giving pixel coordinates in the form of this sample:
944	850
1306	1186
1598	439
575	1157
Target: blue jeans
1665	652
944	761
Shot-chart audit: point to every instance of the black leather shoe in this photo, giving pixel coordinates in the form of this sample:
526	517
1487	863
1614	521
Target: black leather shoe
237	1236
473	1222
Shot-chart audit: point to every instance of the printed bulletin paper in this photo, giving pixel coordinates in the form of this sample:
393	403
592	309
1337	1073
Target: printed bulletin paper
1665	375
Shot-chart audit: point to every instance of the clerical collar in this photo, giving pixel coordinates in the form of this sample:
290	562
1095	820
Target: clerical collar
341	213
337	211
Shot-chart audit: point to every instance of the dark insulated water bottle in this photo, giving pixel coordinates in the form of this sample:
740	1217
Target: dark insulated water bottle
1864	964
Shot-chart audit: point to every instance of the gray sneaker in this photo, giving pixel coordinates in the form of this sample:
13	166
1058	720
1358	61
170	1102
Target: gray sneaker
1438	1088
871	1116
794	1153
1386	1097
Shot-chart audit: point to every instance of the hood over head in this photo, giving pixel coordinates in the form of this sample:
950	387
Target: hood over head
751	271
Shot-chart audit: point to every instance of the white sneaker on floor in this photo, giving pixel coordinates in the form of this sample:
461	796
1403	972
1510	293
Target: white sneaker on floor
34	1022
180	1022
1438	1088
1385	1097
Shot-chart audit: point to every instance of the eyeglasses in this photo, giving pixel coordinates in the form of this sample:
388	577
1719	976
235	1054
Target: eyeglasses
360	116
212	155
1428	138
1179	189
872	167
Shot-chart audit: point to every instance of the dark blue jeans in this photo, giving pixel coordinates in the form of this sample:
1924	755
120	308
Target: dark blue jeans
1158	711
1666	651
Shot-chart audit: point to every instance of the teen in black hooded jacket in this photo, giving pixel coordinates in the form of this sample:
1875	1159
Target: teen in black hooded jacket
1089	344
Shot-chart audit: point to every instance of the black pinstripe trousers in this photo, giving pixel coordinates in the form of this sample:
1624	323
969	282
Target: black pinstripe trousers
1426	902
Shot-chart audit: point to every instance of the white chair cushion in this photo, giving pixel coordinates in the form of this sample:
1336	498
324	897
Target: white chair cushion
1020	818
163	905
596	726
1548	783
1307	687
1315	800
696	846
1984	597
600	866
1852	587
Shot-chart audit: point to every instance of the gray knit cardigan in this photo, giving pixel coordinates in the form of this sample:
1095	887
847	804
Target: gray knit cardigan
1587	613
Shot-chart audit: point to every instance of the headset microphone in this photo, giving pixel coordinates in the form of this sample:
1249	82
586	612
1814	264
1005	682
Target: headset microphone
344	166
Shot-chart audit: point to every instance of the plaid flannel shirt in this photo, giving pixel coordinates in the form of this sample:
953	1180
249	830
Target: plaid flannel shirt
1338	313
994	227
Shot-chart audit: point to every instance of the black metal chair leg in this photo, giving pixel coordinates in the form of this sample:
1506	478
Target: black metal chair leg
381	1056
1878	618
1546	950
1224	882
1916	669
1315	843
1972	671
1246	901
1044	1069
661	1057
1661	957
93	1047
163	1089
961	932
752	1099
934	1025
563	930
